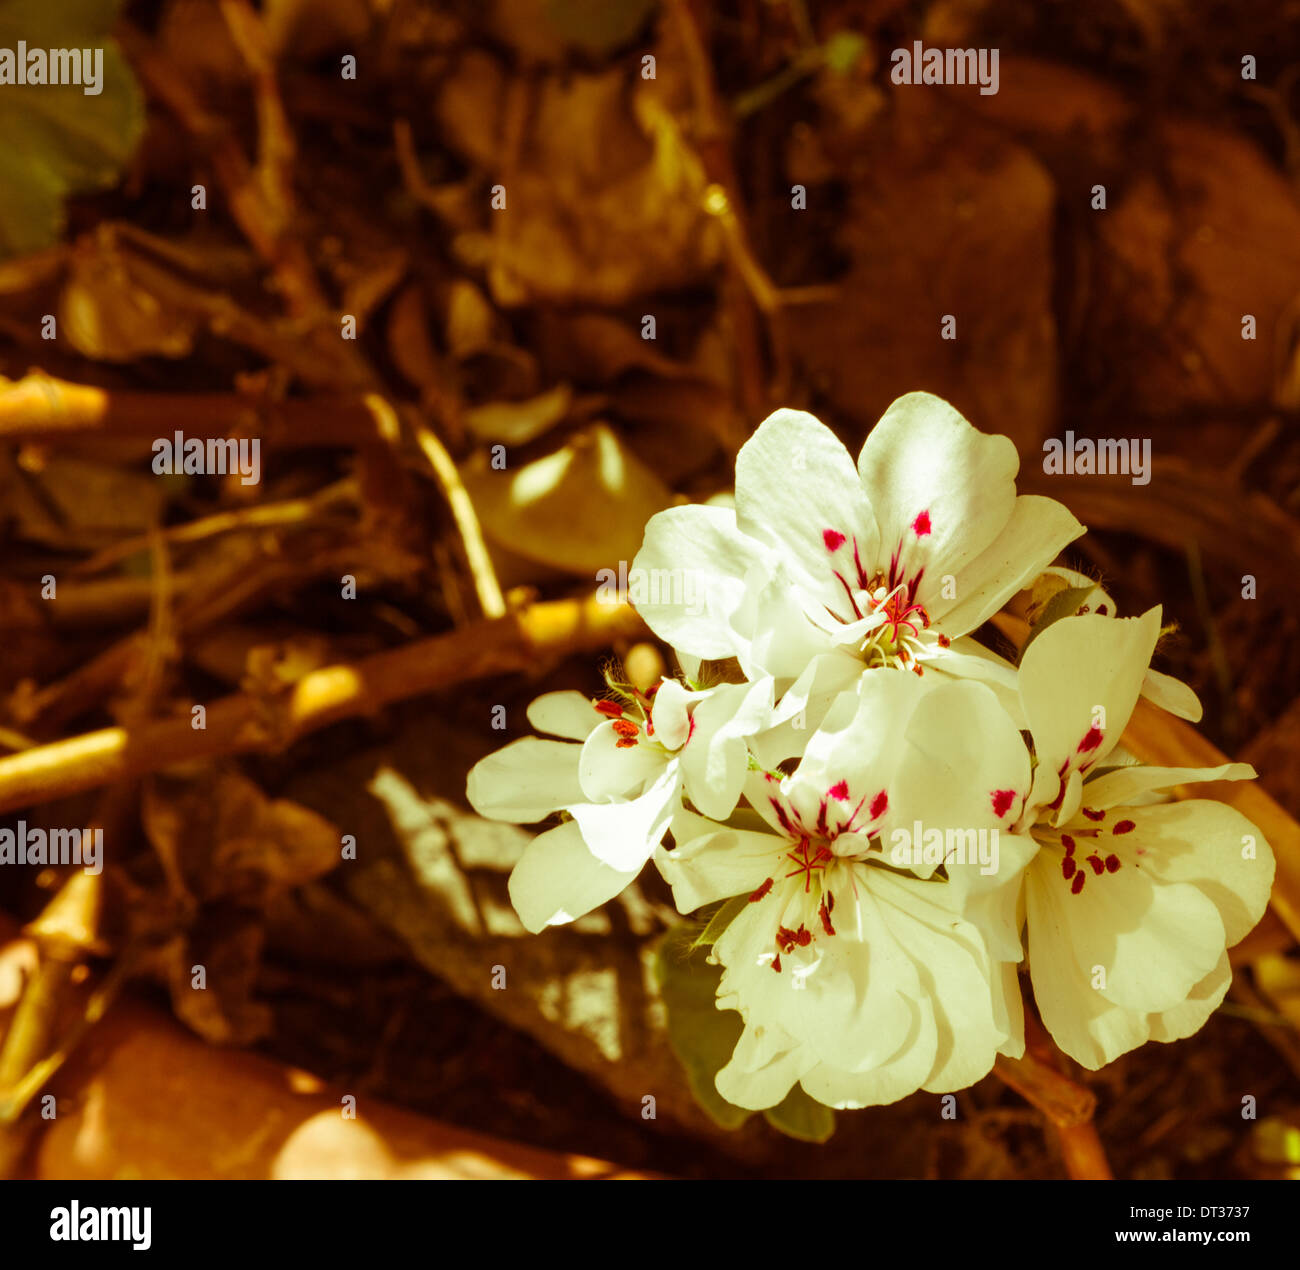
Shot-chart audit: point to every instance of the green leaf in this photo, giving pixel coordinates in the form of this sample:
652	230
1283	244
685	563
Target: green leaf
720	917
701	1035
58	140
802	1117
1065	603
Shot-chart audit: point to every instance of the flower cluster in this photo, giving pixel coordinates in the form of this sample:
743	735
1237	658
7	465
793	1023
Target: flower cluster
895	819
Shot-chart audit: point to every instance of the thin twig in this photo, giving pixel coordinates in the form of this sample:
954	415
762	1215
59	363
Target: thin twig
246	722
491	601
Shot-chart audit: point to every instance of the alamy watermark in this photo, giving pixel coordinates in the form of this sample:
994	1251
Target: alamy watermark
919	65
919	847
24	845
83	67
215	456
1082	456
681	588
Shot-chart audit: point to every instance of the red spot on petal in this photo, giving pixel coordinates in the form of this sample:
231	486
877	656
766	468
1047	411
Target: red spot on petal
1091	739
1097	866
921	525
1002	800
1102	610
1068	843
833	539
1093	814
1124	826
1112	863
879	805
1068	867
1077	885
840	791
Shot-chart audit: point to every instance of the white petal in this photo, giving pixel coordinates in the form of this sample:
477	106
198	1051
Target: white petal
1114	789
804	706
718	865
968	659
715	759
672	722
774	620
963	766
694	554
798	491
557	879
1203	843
1171	694
1152	940
1190	1017
566	714
1038	530
1080	680
625	834
923	460
955	972
610	771
762	1069
1088	1027
525	781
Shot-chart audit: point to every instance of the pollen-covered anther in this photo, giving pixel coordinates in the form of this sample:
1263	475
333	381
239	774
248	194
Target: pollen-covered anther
825	914
761	892
627	733
610	709
786	939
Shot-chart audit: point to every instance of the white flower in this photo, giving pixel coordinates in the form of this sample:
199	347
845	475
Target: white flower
824	568
620	785
1129	906
856	978
1160	689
